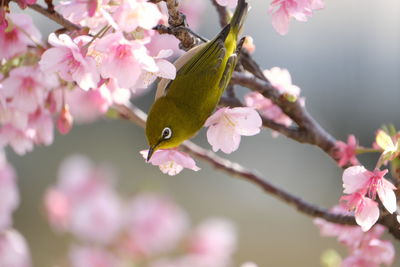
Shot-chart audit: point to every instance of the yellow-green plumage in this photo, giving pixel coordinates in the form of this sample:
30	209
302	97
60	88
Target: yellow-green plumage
192	96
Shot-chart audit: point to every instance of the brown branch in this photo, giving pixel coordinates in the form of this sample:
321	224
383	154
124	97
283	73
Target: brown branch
56	17
222	14
309	130
139	117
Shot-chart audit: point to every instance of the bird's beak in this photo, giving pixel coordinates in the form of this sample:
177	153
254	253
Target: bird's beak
151	151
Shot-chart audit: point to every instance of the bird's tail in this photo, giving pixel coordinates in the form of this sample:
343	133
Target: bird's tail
239	16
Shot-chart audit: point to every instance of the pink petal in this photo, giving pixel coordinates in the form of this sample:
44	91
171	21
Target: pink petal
247	120
368	215
215	117
167	70
354	179
387	195
280	21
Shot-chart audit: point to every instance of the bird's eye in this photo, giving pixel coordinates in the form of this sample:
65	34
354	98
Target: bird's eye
166	133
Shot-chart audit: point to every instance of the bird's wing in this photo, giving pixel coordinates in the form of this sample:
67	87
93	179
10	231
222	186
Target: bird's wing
182	60
205	57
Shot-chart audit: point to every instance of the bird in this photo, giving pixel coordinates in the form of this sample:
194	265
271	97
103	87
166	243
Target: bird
182	105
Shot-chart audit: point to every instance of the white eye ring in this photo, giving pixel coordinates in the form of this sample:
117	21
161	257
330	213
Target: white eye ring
166	133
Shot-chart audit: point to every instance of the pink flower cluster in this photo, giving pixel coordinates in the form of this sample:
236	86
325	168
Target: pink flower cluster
361	187
26	104
364	248
79	77
13	247
148	227
282	81
283	10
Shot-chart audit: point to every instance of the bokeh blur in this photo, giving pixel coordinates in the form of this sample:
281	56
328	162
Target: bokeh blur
346	60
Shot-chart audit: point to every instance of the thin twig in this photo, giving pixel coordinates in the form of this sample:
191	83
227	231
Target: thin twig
137	116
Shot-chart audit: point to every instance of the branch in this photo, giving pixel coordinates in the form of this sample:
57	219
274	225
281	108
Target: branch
309	130
55	16
139	117
222	14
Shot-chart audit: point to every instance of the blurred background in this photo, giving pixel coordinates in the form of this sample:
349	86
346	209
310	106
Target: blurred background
346	60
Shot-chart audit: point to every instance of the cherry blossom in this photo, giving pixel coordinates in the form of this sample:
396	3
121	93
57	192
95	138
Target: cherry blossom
228	3
155	224
346	153
92	13
365	248
282	81
283	10
366	210
226	126
26	87
357	182
213	242
132	14
19	34
14	251
21	141
85	203
123	60
166	70
67	58
171	161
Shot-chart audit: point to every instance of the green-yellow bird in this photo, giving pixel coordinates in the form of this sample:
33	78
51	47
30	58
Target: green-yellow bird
183	105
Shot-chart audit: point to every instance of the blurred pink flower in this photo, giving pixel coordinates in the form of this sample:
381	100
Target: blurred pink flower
27	87
123	60
226	126
90	13
68	59
283	10
14	251
166	70
228	3
21	141
282	81
132	14
171	161
41	126
87	205
58	208
9	197
346	153
213	243
365	248
16	38
155	224
86	256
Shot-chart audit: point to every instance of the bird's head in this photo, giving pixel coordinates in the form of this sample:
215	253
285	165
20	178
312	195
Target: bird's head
165	126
